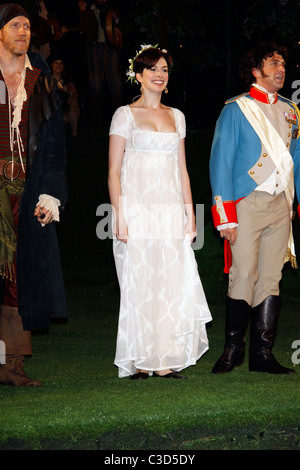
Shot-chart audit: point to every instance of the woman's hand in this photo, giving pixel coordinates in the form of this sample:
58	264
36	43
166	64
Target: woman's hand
121	230
191	229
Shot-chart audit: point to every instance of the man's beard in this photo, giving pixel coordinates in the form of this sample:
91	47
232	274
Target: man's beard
20	54
16	50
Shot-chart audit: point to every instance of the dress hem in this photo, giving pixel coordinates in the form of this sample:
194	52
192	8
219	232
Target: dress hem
175	368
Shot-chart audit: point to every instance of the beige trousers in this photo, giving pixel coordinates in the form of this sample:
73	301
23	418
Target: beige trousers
17	341
259	251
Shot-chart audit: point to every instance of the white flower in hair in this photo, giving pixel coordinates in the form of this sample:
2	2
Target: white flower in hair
130	73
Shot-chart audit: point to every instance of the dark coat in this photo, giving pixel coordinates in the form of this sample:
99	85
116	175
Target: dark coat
40	284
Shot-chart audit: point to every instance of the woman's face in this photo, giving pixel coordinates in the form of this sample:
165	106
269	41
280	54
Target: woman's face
57	66
156	78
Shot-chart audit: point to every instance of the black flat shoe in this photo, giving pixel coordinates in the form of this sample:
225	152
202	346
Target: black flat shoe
171	375
139	376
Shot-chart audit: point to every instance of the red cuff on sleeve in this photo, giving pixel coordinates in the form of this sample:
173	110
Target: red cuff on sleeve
298	210
230	211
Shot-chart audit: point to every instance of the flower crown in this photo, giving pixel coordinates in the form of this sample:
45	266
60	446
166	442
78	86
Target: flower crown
130	73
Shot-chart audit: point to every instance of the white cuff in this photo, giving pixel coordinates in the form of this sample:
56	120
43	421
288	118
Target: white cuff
229	225
51	204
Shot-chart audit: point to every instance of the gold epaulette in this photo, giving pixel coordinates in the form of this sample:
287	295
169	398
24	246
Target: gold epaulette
231	100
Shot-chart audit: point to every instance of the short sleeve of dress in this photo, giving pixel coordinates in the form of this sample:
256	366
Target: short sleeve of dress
120	123
180	123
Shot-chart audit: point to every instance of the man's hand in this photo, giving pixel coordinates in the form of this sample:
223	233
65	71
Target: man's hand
43	215
230	234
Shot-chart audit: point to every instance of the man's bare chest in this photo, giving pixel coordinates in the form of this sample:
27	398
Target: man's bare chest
12	82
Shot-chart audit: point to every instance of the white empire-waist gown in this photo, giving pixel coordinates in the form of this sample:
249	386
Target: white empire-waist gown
163	309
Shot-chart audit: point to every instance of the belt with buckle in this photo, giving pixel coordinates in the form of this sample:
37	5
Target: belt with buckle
11	170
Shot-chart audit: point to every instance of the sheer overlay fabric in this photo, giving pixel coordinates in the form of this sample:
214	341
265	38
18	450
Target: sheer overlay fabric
163	309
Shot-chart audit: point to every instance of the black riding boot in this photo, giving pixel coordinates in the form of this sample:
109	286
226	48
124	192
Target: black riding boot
263	327
237	317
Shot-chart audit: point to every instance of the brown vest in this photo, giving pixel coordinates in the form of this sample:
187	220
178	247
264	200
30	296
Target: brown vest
5	151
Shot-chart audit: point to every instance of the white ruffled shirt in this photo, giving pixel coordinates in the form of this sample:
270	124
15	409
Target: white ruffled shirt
45	200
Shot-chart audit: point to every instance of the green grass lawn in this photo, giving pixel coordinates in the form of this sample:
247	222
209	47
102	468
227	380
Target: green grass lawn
84	405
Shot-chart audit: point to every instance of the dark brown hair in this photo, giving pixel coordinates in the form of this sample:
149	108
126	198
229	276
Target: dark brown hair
254	59
149	57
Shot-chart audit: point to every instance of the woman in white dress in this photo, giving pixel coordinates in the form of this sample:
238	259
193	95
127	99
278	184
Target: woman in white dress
163	309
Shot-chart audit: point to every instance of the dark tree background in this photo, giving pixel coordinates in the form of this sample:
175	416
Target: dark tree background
206	39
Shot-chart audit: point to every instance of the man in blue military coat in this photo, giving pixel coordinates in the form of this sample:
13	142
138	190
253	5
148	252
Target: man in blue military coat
254	169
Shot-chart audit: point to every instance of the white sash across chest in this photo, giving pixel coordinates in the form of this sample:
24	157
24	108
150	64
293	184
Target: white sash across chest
278	152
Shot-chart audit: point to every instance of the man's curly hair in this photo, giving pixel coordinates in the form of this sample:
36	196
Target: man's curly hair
254	59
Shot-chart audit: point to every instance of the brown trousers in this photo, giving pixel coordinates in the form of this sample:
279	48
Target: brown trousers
259	251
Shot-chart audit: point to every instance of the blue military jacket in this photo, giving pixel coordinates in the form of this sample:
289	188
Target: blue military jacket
239	161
